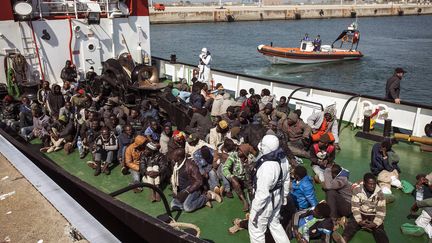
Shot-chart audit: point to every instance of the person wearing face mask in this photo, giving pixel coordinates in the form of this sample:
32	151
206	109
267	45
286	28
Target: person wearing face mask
204	66
271	184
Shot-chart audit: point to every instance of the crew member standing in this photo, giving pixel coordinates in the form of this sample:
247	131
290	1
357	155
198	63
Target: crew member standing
204	66
393	85
271	185
317	43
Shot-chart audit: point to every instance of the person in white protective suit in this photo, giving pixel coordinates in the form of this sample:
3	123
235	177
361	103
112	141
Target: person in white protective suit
204	66
271	184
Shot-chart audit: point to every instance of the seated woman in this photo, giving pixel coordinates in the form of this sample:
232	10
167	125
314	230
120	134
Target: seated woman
384	165
237	169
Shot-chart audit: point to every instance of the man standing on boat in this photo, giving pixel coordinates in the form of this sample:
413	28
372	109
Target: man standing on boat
393	85
317	43
271	186
204	66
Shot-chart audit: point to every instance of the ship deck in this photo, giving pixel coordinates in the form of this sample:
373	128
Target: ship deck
214	222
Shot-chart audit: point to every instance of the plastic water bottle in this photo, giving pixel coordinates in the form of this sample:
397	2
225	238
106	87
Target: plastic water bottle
80	145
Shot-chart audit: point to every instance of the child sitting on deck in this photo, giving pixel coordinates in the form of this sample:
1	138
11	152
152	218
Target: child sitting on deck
313	224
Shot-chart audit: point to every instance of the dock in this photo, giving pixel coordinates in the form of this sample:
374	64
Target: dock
203	14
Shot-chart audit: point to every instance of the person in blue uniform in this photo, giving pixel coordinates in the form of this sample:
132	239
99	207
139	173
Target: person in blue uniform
317	43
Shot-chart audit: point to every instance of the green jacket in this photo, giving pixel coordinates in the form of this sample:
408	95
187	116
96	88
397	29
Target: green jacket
234	167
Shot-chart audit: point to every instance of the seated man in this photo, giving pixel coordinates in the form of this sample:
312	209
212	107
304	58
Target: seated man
324	122
338	191
124	139
55	101
106	146
9	112
302	189
25	114
322	154
135	120
218	133
368	206
298	135
154	168
425	219
313	224
187	185
153	132
90	134
62	131
193	143
238	170
216	174
269	114
178	140
165	137
384	164
132	160
203	158
282	105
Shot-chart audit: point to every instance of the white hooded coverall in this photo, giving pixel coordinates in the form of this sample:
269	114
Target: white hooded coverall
204	67
263	214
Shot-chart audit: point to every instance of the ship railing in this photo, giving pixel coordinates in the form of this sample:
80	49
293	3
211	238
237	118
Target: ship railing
409	117
75	7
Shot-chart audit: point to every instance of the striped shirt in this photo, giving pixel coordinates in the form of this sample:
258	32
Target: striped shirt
361	204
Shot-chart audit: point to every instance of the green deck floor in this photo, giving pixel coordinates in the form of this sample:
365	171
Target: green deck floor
214	222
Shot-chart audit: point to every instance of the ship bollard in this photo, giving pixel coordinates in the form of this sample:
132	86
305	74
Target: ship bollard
387	127
173	58
366	124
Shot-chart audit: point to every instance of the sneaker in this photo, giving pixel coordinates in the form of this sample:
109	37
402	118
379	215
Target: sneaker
91	164
217	190
215	196
209	204
137	190
44	149
50	150
124	170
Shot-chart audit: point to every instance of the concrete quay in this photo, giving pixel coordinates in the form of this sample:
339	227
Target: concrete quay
196	14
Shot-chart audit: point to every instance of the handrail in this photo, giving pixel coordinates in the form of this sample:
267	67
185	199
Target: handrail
142	184
407	103
293	92
312	102
343	110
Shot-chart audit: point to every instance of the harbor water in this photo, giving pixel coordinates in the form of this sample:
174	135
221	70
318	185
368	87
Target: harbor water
386	42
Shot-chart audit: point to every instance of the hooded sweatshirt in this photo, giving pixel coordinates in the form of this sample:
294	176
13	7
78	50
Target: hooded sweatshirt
132	155
340	183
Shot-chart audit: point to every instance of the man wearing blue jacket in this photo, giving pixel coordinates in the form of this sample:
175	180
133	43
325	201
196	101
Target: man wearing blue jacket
303	191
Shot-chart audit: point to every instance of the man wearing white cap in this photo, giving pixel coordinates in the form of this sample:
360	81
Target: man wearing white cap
204	66
271	185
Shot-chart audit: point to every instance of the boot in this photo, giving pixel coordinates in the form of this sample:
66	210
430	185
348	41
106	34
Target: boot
98	168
